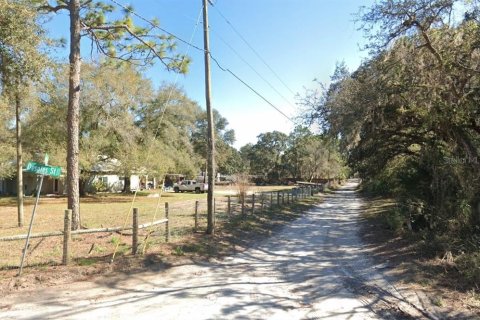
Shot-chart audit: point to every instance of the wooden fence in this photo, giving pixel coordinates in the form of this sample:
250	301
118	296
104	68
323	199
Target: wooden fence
183	218
67	232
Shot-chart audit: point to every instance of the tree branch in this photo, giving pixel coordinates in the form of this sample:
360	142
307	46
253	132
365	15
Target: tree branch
97	41
92	29
49	8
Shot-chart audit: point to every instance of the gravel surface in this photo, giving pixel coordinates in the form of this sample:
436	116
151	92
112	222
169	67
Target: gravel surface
313	268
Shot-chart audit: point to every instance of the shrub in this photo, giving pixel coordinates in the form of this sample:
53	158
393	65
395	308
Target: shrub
242	182
469	266
99	186
395	220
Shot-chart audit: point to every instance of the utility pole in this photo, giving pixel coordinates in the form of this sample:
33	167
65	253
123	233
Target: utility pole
19	159
210	134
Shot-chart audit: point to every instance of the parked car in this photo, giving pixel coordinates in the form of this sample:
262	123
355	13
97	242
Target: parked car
190	185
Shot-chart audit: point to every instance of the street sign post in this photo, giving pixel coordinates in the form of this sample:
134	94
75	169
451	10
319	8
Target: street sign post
42	170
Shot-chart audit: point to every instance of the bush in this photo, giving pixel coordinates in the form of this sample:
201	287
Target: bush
242	182
395	220
469	266
99	186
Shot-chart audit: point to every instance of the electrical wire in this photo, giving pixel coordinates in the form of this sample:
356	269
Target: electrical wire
252	48
202	50
251	88
154	25
159	123
254	70
189	45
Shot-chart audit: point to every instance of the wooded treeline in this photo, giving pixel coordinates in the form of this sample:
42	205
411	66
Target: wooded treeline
150	131
409	118
301	155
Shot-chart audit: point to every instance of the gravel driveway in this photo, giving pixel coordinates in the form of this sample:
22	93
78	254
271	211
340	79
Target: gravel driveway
314	268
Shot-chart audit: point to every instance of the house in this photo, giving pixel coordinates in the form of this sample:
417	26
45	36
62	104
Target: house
30	181
105	177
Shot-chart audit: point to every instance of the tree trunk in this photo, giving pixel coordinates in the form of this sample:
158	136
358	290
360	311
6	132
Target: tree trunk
126	185
19	160
73	115
82	186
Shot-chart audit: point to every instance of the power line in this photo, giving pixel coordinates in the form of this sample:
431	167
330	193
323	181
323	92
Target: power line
161	117
251	88
253	49
254	70
154	25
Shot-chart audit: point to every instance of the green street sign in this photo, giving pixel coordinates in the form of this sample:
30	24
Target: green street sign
37	168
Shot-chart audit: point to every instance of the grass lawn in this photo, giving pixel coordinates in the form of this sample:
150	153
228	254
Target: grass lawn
107	210
97	211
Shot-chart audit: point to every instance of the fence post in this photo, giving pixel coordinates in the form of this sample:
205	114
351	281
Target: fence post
67	227
135	231
271	200
253	203
243	206
262	195
229	206
288	196
283	197
167	224
196	215
278	198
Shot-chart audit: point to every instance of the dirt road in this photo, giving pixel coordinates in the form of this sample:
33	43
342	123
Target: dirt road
314	268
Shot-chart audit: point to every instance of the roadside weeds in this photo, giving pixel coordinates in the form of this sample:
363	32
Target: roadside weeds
410	264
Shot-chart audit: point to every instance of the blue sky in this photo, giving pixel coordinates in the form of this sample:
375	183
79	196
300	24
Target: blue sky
299	39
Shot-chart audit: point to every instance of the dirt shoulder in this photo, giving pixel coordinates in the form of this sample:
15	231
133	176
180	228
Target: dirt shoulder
408	264
234	236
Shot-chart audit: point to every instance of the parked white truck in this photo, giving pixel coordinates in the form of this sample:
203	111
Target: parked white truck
190	185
